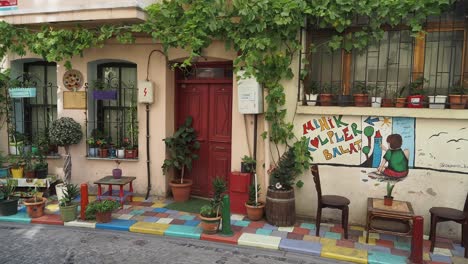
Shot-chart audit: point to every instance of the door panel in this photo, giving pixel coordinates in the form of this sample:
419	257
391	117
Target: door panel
220	162
220	112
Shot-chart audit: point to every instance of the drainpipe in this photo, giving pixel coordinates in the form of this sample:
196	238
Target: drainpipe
148	171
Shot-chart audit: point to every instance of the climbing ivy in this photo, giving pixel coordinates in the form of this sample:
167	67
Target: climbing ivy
263	32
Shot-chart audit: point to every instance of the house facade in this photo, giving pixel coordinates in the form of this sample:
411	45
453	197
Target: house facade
350	143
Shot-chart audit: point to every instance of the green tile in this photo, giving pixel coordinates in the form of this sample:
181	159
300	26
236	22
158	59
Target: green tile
242	223
375	257
333	235
21	217
183	231
262	231
308	226
402	245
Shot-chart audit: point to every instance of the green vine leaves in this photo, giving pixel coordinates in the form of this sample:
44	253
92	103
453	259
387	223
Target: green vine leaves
265	33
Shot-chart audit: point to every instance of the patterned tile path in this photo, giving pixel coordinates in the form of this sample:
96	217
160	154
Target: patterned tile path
149	217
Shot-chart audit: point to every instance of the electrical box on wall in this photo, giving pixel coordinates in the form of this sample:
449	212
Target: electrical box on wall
250	95
145	92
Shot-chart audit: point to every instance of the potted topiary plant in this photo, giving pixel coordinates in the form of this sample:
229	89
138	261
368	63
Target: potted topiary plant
8	203
280	200
210	215
182	147
101	210
65	132
388	199
254	207
67	207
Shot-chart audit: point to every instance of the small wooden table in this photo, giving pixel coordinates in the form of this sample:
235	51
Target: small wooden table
109	180
395	219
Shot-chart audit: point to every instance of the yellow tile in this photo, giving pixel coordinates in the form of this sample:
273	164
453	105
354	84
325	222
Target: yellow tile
327	241
426	256
52	207
149	228
311	238
138	199
358	228
459	260
346	254
362	240
91	198
158	205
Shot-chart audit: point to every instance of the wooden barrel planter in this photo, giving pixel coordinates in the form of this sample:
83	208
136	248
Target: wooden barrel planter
280	207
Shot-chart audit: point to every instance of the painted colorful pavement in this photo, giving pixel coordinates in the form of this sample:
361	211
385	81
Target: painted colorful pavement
150	217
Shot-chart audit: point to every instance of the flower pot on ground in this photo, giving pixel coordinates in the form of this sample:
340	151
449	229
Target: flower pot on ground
8	203
210	215
35	206
254	207
181	191
68	210
59	190
181	148
280	202
437	101
101	210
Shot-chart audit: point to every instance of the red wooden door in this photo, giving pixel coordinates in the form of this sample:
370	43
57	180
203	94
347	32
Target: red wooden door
210	105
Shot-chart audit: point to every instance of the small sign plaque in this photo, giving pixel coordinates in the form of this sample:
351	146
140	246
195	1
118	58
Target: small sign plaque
74	100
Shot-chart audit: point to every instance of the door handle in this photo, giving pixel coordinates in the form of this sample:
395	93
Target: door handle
220	148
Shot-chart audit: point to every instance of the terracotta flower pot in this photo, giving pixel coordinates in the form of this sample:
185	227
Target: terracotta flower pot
326	99
388	201
255	213
210	225
361	100
400	102
387	102
181	191
103	217
103	153
457	101
35	208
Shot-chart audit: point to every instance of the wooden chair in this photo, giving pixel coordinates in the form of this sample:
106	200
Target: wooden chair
443	214
329	201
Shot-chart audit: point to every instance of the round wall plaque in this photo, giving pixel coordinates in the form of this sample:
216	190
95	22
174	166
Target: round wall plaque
73	80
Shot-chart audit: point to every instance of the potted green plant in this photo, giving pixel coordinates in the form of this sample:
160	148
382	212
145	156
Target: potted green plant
103	91
388	199
248	164
280	201
67	207
457	98
327	94
210	215
255	208
376	98
416	96
29	171
41	167
8	202
92	147
16	141
22	87
16	166
65	132
399	96
181	148
35	205
361	94
101	210
311	91
3	168
103	150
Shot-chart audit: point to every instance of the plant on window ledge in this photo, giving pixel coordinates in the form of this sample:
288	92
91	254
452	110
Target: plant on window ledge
23	86
361	94
417	93
103	91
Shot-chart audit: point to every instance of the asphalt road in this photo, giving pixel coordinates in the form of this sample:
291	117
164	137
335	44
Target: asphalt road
25	243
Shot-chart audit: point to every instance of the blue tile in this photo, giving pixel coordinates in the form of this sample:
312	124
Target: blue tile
171	212
308	225
270	227
333	235
362	246
379	249
300	246
20	217
186	217
241	223
183	231
375	257
151	219
192	222
458	250
117	224
402	245
262	231
440	258
160	210
281	234
387	237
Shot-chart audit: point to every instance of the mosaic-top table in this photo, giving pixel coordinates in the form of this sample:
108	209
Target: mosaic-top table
121	182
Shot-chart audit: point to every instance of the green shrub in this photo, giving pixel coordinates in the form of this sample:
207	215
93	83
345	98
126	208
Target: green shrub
100	207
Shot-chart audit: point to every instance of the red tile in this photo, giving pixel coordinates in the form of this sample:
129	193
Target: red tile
384	243
162	215
135	203
48	219
345	243
337	229
295	236
301	231
236	228
400	252
250	230
146	204
177	222
149	213
257	224
222	239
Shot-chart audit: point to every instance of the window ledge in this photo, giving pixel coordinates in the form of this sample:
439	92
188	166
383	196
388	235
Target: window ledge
461	114
112	159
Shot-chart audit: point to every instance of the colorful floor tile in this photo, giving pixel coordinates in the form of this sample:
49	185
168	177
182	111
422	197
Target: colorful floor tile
183	231
261	241
345	254
300	246
48	219
221	238
20	217
80	223
149	228
116	224
385	258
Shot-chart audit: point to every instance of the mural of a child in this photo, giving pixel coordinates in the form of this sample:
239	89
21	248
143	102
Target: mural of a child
396	158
